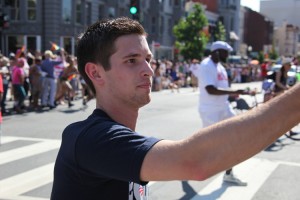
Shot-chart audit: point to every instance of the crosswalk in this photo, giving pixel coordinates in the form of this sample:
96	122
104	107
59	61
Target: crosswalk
19	186
13	187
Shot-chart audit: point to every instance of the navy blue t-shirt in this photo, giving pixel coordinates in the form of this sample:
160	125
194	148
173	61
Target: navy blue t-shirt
100	159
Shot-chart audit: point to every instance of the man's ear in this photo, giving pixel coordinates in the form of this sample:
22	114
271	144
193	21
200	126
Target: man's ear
94	72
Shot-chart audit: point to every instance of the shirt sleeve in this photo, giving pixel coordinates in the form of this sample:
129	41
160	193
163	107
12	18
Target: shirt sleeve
115	152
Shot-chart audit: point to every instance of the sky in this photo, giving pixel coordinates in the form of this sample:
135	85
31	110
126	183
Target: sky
253	4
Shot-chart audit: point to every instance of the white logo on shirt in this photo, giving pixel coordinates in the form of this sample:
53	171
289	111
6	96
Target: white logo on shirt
137	192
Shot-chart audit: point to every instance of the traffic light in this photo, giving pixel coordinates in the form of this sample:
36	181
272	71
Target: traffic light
134	9
4	21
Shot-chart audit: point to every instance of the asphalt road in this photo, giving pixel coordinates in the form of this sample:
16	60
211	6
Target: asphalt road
30	143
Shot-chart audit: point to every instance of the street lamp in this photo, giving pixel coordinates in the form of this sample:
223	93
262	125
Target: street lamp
249	50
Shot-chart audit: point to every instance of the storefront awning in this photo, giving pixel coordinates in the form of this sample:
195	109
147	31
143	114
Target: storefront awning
233	36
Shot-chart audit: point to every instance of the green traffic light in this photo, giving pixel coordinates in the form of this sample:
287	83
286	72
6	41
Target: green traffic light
133	10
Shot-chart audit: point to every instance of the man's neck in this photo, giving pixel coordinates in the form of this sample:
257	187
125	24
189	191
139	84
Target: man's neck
214	59
121	114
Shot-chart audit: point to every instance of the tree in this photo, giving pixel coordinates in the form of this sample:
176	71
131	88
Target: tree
220	33
192	34
273	54
261	57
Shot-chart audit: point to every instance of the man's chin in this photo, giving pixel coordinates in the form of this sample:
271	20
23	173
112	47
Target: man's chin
145	101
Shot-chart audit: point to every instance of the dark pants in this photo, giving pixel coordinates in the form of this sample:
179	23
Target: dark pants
19	94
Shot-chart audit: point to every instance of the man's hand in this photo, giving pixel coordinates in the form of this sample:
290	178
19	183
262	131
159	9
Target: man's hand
247	92
242	91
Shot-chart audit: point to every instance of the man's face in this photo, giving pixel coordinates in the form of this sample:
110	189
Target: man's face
223	55
130	78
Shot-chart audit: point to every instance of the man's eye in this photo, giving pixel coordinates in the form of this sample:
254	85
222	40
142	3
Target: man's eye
131	61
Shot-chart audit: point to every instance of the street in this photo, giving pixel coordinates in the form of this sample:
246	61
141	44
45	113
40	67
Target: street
30	142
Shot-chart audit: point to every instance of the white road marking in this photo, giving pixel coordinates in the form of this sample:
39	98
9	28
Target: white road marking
24	182
254	171
28	150
12	187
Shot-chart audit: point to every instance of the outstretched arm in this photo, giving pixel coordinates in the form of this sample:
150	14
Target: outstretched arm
225	144
221	91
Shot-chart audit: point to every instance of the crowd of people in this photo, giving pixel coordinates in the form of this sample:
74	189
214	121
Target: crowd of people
175	75
50	79
46	80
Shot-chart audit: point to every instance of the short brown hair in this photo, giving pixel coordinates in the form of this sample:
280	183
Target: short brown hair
97	43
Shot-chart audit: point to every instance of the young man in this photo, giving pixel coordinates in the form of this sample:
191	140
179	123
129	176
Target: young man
214	91
103	157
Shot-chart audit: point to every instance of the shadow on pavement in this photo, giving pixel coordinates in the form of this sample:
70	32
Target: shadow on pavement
190	192
279	144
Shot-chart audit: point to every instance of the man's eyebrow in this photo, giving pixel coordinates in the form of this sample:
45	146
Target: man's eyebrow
132	55
135	55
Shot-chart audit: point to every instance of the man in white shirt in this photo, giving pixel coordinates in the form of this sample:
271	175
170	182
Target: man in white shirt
193	69
214	90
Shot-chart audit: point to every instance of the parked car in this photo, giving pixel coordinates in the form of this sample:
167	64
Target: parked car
292	73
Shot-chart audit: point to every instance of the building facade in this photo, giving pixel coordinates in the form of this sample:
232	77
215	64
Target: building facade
36	23
229	11
285	15
280	11
286	39
258	32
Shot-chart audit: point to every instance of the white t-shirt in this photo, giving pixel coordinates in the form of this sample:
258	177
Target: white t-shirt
194	67
210	73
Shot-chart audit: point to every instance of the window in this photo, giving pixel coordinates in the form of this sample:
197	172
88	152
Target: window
89	13
31	10
14	6
231	23
122	12
287	36
66	11
78	12
15	42
161	25
170	26
31	44
67	44
111	12
101	12
153	25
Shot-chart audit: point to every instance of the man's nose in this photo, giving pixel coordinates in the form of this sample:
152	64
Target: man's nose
147	69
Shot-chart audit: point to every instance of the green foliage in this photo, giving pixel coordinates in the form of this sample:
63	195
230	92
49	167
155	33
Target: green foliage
220	34
273	55
191	39
261	57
